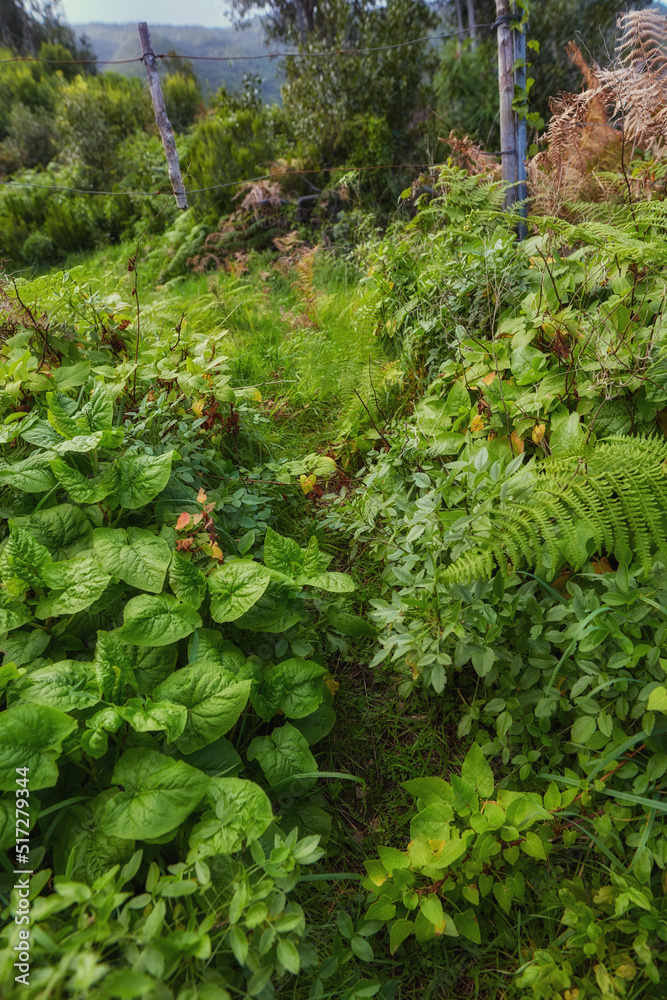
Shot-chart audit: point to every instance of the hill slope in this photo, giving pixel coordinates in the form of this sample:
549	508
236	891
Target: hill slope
121	41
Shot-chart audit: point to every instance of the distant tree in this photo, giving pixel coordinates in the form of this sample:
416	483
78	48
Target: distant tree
25	25
466	81
299	22
358	106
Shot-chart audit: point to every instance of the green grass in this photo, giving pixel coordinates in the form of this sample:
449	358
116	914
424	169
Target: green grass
301	341
298	339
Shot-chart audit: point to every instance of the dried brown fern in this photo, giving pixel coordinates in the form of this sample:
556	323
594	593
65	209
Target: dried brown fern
623	108
471	157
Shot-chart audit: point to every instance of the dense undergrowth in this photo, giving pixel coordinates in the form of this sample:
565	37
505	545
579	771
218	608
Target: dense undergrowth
334	587
472	428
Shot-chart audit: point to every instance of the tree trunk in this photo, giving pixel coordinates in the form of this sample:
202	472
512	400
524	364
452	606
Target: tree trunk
506	88
161	117
459	19
470	4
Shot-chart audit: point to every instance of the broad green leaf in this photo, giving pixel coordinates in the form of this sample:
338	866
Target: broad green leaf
32	475
533	847
142	477
235	587
187	581
391	858
311	559
158	794
400	930
149	717
527	363
568	436
317	725
241	813
113	667
80	444
8	821
76	584
300	683
152	665
13	615
97	413
60	414
468	926
361	948
208	645
336	583
282	554
657	700
350	624
458	399
128	984
433	416
272	611
288	956
23	557
157	620
238	942
282	755
64	530
431	790
433	822
477	772
447	443
136	556
95	852
8	675
219	759
431	907
31	736
79	488
71	376
583	728
66	685
39	432
214	701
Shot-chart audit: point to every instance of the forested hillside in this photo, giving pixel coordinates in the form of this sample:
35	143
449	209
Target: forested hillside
333	545
120	41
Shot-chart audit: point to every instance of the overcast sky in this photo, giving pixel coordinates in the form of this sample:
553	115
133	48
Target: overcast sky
207	13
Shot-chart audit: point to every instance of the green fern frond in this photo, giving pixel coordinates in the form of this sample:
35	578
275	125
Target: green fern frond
612	501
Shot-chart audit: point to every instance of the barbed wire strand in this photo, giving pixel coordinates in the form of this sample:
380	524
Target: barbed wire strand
267	55
214	187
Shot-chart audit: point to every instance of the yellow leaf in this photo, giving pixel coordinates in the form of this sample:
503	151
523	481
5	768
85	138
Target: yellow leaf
332	684
517	443
307	483
488	379
477	423
538	433
201	496
198	407
257	396
216	552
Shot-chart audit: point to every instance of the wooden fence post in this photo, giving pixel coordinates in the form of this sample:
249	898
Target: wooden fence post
161	117
521	132
506	88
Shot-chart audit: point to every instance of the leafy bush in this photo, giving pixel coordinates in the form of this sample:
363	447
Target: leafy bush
119	609
183	99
